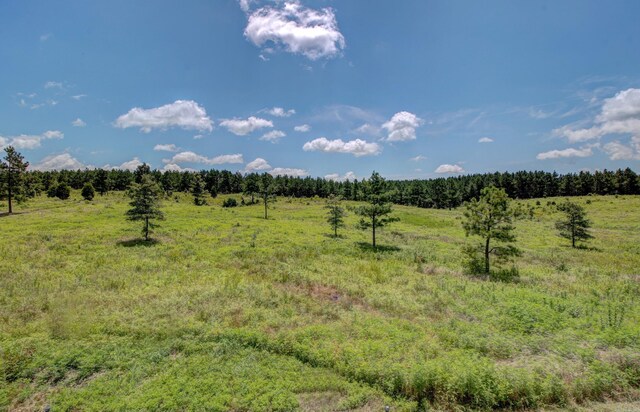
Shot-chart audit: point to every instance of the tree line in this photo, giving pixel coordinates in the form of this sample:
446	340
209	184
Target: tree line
440	193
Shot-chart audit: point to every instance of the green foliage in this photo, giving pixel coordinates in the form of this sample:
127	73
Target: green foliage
335	213
145	204
490	218
63	191
88	192
230	202
198	191
251	186
375	214
101	181
12	168
574	225
267	188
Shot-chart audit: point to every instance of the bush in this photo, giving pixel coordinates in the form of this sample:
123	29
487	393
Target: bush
53	189
230	202
63	191
88	192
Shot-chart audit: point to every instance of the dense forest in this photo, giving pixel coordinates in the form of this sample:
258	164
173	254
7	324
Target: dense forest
434	193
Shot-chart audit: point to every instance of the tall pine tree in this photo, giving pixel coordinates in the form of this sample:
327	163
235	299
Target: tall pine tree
12	168
490	217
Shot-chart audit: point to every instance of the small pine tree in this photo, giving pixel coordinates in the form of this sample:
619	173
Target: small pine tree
490	217
575	225
63	191
88	192
145	203
198	191
267	189
335	214
375	214
12	168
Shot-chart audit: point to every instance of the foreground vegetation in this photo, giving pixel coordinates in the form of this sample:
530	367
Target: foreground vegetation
226	310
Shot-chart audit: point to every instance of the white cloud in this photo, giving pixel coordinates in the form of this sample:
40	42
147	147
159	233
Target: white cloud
62	161
402	127
185	114
29	142
78	123
280	112
258	164
303	128
299	30
368	129
273	136
242	127
355	147
172	167
191	157
45	37
53	85
619	114
285	171
619	151
166	148
245	5
565	153
130	165
418	158
337	178
198	136
446	168
78	96
485	140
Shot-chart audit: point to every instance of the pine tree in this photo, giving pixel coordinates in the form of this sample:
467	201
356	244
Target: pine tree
490	217
267	189
145	203
575	225
251	186
101	182
88	192
375	214
198	191
335	214
12	168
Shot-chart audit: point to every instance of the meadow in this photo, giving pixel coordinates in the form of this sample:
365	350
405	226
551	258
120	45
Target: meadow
228	311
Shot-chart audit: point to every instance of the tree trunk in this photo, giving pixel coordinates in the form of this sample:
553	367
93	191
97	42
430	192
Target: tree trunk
265	208
486	255
373	232
335	230
146	228
9	187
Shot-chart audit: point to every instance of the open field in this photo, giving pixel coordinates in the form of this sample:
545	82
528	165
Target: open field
228	311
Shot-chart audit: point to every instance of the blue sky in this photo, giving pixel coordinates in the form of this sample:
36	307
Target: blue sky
412	89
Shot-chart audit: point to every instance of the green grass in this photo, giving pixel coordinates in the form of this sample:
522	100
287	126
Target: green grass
228	311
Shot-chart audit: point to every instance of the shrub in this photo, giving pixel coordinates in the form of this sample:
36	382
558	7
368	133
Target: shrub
63	191
88	192
230	202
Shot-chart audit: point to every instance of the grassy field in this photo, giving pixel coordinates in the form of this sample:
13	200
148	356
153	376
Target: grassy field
228	311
